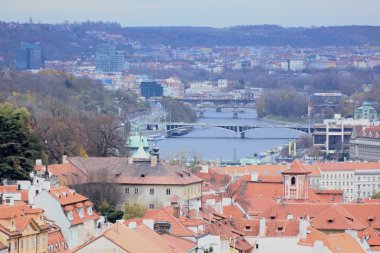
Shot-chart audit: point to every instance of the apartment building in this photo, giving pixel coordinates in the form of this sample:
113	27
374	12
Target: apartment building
357	179
365	143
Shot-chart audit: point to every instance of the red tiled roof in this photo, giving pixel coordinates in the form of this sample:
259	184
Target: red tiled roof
277	228
371	235
66	196
23	216
126	173
296	167
339	243
348	166
181	243
336	243
71	201
336	218
312	236
166	215
67	173
257	189
233	211
372	132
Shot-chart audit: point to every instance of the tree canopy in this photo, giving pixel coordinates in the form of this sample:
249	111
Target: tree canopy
18	146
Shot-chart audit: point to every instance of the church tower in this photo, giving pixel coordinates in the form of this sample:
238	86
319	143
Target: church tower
296	182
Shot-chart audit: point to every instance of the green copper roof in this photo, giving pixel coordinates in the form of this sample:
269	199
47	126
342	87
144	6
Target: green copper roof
135	141
249	161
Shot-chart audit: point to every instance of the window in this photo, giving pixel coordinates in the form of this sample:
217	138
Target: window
151	191
70	215
293	181
89	210
167	191
136	190
127	190
80	212
22	243
162	227
151	206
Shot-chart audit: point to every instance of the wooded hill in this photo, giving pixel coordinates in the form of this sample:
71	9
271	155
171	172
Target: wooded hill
72	41
76	116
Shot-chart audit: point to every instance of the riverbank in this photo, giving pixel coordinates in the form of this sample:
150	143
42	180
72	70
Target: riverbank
283	120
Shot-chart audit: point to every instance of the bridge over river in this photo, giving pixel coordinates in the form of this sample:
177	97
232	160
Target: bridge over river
240	130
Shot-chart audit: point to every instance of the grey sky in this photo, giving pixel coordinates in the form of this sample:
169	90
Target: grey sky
216	13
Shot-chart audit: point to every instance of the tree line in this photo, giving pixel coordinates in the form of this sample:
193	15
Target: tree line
74	116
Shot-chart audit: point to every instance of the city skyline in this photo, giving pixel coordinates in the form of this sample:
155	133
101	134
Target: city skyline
211	13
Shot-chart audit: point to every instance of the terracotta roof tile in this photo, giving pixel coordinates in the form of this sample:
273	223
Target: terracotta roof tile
136	173
371	235
166	215
232	211
66	196
343	243
130	240
296	167
348	166
336	218
183	244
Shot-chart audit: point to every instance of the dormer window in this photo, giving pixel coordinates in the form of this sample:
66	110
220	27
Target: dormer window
80	212
248	228
162	227
89	210
279	229
70	215
331	220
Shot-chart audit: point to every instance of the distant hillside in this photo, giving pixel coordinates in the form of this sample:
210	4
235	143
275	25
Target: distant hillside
70	41
49	90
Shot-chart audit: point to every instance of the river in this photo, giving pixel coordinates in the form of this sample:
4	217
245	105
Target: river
217	143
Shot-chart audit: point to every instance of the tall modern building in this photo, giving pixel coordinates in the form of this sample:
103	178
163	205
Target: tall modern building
107	59
151	89
30	56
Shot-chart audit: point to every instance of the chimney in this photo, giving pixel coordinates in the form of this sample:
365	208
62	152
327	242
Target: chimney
155	152
254	176
130	160
303	228
132	225
262	227
153	161
38	162
176	211
149	223
64	159
318	247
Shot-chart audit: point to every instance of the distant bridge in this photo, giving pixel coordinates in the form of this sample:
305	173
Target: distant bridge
240	130
219	101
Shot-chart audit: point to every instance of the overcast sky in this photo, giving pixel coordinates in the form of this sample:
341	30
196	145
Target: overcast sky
215	13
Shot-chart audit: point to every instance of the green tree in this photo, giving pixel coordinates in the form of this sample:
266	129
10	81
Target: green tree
376	195
134	211
18	147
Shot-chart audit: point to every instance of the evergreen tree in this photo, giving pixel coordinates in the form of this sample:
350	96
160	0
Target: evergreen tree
18	147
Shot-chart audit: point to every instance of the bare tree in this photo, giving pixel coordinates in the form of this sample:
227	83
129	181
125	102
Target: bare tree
236	189
64	135
100	186
105	136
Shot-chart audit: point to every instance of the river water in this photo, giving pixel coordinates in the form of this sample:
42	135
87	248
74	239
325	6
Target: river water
218	143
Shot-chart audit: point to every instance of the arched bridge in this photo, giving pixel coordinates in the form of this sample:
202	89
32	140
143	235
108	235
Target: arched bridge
238	129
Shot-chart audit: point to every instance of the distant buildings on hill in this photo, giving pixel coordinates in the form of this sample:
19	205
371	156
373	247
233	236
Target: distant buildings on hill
29	56
107	59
